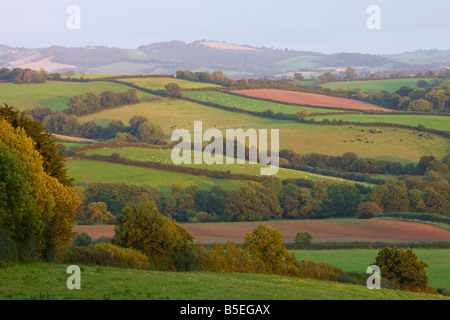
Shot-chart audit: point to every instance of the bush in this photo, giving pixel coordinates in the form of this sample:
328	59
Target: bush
83	239
8	248
303	239
202	216
403	268
104	254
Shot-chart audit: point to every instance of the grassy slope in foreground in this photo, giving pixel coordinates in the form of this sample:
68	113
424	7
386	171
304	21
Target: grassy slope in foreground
53	94
48	281
358	260
302	138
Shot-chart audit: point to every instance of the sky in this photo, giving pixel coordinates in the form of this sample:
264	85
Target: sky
326	26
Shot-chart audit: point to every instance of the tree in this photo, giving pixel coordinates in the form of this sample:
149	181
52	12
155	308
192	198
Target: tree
421	105
173	90
149	132
303	239
345	199
69	74
56	201
299	76
403	268
98	213
266	244
368	210
143	228
351	74
303	113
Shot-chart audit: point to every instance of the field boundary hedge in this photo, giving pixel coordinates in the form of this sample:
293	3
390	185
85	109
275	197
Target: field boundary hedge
429	217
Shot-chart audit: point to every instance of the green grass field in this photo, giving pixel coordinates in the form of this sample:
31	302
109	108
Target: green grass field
159	83
434	122
302	138
48	282
390	85
299	63
164	156
88	171
357	261
248	103
53	94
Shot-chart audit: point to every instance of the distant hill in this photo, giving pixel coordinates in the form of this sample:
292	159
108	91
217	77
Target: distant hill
234	60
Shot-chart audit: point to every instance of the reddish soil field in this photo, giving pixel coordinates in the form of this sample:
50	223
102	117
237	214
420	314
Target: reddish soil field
310	99
332	230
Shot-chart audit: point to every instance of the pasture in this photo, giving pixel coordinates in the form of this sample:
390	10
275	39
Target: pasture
47	281
390	85
54	94
357	260
159	83
89	171
164	156
392	144
434	122
249	104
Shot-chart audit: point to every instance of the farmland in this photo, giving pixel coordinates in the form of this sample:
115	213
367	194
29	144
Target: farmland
159	83
302	138
164	156
88	171
54	94
328	230
249	104
310	99
390	85
358	260
434	122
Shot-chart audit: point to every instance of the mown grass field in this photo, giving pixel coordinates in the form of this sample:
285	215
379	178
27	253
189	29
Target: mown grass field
390	85
297	63
250	104
48	282
88	171
164	156
159	83
54	94
357	260
434	122
302	138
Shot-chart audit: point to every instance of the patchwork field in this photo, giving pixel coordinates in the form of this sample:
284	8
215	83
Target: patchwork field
53	94
392	144
310	99
328	230
357	260
250	104
390	85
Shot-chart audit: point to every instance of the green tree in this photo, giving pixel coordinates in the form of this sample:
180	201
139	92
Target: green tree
351	74
150	133
304	239
421	105
266	244
173	90
98	213
403	268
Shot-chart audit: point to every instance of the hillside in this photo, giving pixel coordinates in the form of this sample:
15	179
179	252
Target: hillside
235	60
104	283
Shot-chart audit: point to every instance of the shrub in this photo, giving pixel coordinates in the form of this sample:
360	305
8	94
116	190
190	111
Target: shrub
104	254
403	268
202	216
303	239
83	239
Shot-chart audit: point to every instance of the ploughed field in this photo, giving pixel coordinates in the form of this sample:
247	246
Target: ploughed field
329	230
310	99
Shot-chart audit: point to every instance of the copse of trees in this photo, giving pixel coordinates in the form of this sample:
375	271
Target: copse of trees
90	102
23	76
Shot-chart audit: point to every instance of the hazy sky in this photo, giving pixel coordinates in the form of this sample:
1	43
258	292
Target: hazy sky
317	25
